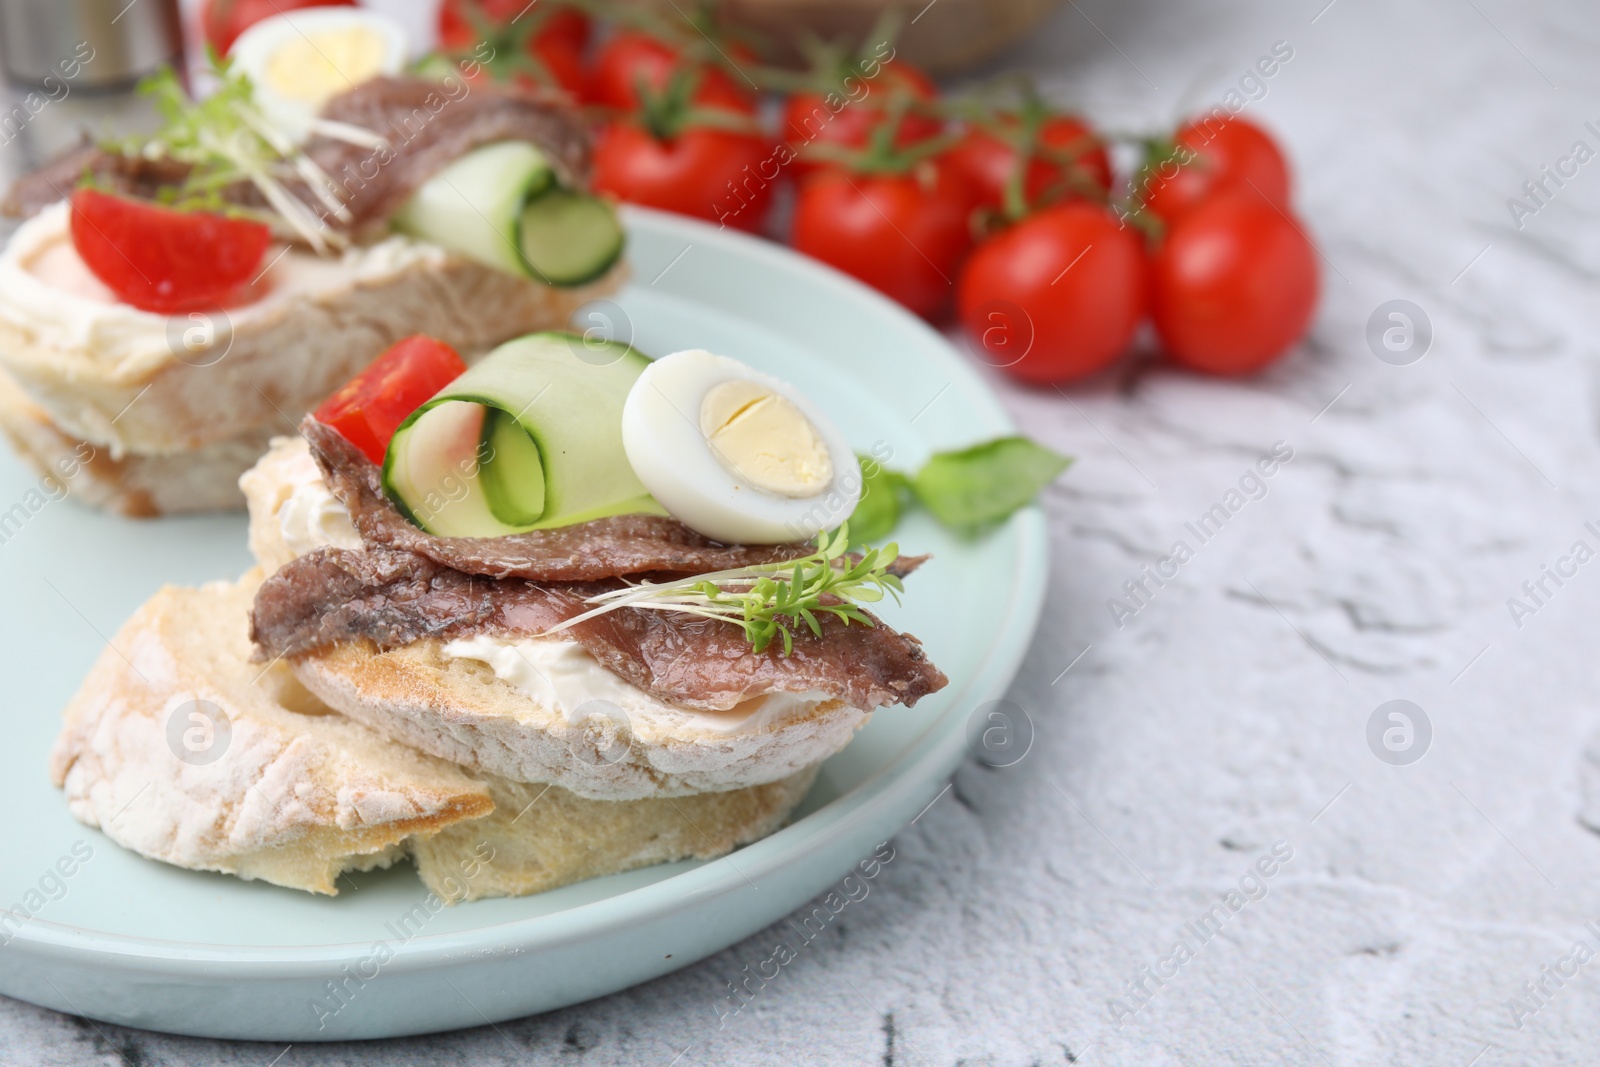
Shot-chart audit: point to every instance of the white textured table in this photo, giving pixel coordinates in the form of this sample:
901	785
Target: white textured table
1230	711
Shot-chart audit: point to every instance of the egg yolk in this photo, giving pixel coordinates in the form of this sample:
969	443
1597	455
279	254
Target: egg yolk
316	66
765	439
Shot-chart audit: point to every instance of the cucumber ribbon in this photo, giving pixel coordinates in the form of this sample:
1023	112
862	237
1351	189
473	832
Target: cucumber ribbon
528	439
503	206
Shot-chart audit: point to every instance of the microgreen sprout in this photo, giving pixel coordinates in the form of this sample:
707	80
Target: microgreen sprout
226	139
771	600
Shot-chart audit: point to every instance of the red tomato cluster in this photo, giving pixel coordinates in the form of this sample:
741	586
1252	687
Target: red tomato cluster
1234	279
679	131
1207	249
1061	278
819	116
631	61
1013	218
533	45
681	134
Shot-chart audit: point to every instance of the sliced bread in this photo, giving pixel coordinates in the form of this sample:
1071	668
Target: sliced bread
148	384
542	836
459	709
181	749
138	486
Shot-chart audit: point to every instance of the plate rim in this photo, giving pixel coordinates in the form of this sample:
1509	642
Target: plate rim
931	759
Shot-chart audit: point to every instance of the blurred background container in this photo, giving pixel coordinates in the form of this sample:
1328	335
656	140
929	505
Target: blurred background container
941	36
70	67
124	40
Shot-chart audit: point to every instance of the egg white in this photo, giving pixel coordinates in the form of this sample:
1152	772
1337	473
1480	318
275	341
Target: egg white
662	437
255	48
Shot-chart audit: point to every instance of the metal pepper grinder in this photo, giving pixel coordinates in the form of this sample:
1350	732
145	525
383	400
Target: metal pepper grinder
70	68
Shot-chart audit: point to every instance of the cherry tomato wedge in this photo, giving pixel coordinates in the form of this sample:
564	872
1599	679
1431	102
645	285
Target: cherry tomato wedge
1235	285
847	118
704	171
222	21
1212	154
371	406
630	57
1057	296
162	260
989	161
901	234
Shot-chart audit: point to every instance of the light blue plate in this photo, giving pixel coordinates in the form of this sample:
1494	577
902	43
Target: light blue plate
131	941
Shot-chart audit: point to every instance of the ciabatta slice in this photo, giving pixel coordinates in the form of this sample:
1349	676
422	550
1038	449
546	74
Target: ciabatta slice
282	790
459	710
295	794
542	836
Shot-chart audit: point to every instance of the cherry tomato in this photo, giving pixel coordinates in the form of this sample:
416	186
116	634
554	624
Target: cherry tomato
848	116
1221	153
989	161
371	406
706	172
564	24
555	36
565	65
629	57
222	21
1057	296
901	234
162	260
1235	284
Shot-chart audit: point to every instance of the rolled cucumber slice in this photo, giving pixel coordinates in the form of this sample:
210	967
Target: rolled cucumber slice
435	478
510	469
569	238
529	438
502	206
473	205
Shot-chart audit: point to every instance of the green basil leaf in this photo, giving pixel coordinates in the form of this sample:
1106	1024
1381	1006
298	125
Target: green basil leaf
878	511
972	487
